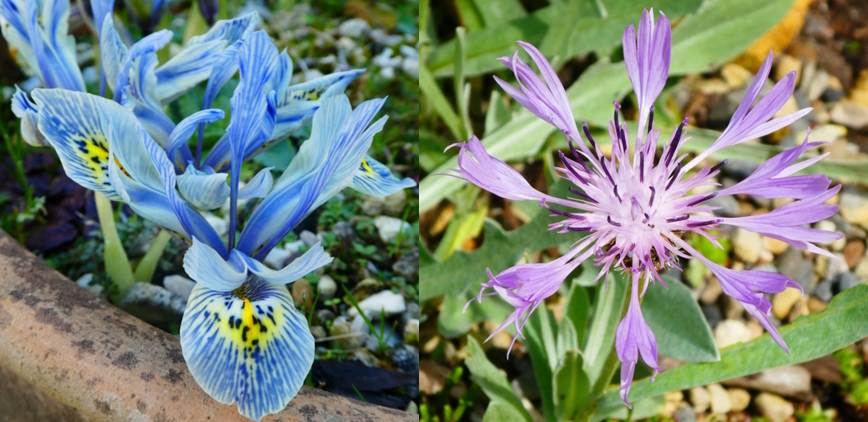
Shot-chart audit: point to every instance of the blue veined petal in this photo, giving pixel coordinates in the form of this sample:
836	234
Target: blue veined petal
338	139
258	186
373	178
53	47
70	122
101	8
282	77
222	70
203	191
145	46
250	346
206	267
194	224
184	130
321	88
257	60
151	204
315	258
29	115
193	64
14	26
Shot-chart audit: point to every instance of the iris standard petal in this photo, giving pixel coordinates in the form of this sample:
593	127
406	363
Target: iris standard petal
29	115
52	45
207	268
313	259
194	62
373	178
259	186
249	346
14	27
150	204
203	191
184	130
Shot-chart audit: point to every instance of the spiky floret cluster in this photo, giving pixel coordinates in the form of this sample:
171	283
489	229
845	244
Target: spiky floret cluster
634	206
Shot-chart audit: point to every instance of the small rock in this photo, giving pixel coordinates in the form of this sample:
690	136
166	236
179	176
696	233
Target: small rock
854	252
827	133
735	75
389	302
408	265
790	381
380	36
853	205
786	64
720	402
84	281
774	407
740	399
747	245
354	28
390	227
685	414
846	281
326	287
359	325
824	291
794	265
276	257
816	305
308	238
711	292
732	309
850	114
789	107
318	332
153	304
783	302
179	285
345	339
405	358
831	94
411	332
302	294
412	408
836	266
712	315
728	206
411	67
323	315
700	398
817	85
365	357
729	332
365	288
346	44
344	231
862	270
775	246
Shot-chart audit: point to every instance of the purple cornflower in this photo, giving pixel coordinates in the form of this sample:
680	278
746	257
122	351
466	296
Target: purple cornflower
635	206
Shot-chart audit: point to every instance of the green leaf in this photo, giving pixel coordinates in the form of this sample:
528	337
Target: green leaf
642	409
441	105
469	15
491	380
581	27
591	96
681	330
499	251
809	337
499	412
497	114
607	313
567	338
453	321
577	310
571	385
497	12
541	332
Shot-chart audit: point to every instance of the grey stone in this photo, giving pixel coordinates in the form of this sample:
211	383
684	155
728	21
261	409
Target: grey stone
685	414
846	281
712	314
179	285
318	332
344	231
326	287
405	358
390	227
354	28
794	265
308	238
408	265
85	280
153	304
386	302
728	206
824	291
324	315
739	169
831	95
851	114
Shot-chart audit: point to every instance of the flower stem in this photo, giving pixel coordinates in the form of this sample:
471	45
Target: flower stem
145	269
117	265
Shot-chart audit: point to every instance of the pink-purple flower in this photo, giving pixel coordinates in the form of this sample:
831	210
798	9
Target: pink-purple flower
634	206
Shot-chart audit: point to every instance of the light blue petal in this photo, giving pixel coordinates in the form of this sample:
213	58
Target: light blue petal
193	64
29	115
223	69
257	60
101	8
14	26
151	204
373	178
150	44
73	124
325	162
184	130
315	258
194	224
205	192
322	87
206	267
253	347
53	46
258	186
112	51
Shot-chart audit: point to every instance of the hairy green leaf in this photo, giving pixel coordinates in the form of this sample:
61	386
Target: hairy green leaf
491	380
681	330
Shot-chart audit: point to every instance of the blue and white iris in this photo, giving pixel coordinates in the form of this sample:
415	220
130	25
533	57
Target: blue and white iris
241	336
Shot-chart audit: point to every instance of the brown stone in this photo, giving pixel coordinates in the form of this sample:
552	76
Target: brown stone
104	364
853	252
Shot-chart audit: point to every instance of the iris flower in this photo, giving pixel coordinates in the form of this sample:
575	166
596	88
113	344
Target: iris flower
241	336
634	207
